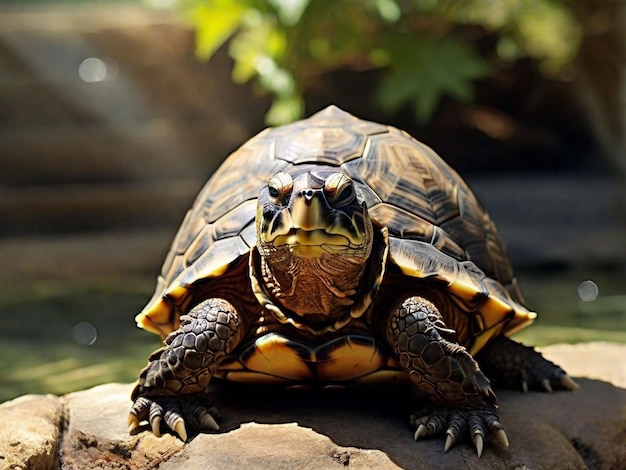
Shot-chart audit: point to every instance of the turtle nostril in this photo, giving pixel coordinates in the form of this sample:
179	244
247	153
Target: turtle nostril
307	193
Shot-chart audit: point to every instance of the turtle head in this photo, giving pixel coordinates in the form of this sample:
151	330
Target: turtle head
315	237
312	215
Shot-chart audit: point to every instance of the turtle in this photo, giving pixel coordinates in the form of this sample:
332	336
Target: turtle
336	251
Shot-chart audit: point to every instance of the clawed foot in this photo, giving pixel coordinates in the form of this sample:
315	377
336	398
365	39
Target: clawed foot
176	414
514	365
457	422
548	380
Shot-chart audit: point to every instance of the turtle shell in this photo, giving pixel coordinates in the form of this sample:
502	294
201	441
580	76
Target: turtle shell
438	231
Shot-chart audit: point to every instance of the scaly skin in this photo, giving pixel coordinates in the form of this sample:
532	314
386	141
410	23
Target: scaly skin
514	365
184	368
172	387
446	373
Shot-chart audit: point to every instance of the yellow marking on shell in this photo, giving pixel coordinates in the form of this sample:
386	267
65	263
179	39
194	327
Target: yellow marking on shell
494	310
483	338
159	316
273	355
349	361
466	291
176	291
409	269
521	320
157	319
494	314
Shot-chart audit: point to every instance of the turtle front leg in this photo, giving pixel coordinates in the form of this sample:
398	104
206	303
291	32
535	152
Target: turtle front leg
172	387
446	373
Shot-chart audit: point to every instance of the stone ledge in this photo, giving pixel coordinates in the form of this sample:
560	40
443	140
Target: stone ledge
327	429
30	431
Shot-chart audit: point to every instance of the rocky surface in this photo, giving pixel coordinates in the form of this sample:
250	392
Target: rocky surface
365	429
30	431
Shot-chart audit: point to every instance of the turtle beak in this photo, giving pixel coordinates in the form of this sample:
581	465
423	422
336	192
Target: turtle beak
308	210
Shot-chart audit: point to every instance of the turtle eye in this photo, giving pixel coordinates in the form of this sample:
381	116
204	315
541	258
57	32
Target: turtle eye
339	190
279	188
273	192
346	196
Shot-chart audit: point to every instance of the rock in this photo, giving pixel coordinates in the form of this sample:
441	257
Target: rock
595	360
363	429
96	434
276	446
30	431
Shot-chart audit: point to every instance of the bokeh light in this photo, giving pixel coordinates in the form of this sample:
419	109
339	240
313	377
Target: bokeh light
94	70
588	291
85	333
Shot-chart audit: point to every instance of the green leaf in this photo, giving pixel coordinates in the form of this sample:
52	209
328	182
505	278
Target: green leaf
285	110
215	22
389	10
289	11
257	47
424	69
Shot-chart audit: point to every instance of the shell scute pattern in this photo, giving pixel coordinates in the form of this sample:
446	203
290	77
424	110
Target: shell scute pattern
332	146
402	176
215	261
231	225
238	179
435	223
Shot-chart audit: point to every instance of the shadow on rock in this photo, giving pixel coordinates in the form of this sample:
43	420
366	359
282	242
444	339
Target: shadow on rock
312	429
584	429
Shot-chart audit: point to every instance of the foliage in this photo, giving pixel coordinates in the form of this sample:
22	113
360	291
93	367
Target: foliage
426	48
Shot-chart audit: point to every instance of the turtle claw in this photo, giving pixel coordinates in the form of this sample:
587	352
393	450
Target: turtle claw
155	416
547	382
568	383
420	432
525	386
478	441
208	422
133	423
558	379
502	437
155	424
450	441
177	414
456	423
512	364
179	428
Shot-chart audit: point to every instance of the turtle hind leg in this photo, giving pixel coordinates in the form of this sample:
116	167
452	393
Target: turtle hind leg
171	389
514	365
446	373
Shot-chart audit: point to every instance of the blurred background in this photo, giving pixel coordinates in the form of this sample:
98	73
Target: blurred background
114	114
